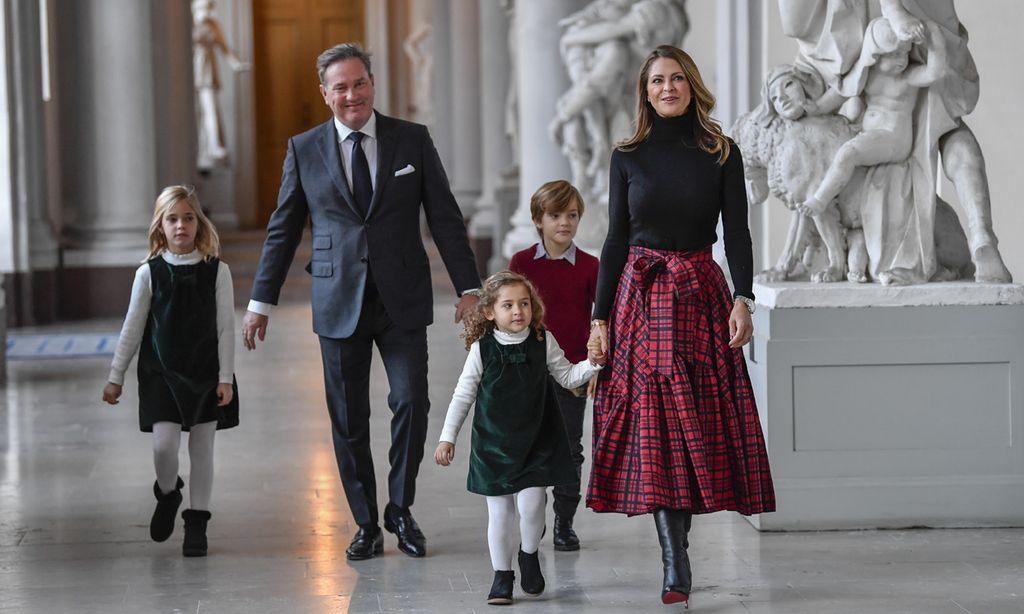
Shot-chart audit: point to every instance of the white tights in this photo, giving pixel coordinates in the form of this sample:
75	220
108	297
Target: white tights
501	518
166	440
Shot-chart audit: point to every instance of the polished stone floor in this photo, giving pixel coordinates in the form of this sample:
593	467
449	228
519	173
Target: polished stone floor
75	499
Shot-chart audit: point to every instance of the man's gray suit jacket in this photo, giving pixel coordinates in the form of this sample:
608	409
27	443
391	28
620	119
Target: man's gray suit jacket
388	240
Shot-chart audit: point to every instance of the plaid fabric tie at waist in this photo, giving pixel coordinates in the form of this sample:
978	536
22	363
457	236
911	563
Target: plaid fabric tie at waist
666	276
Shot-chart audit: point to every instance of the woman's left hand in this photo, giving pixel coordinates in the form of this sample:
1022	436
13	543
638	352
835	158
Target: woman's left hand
741	327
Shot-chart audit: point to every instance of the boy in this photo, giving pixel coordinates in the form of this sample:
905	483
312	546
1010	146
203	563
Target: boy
566	278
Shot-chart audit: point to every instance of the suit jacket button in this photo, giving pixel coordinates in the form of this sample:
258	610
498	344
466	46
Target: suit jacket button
363	259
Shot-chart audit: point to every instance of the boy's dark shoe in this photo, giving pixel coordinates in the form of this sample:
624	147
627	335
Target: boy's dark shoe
531	579
366	543
161	525
565	538
501	588
195	532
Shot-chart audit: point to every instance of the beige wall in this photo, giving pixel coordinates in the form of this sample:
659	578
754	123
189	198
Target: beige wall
997	43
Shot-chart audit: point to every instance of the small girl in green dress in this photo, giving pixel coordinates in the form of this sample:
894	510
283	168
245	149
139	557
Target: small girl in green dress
181	322
519	445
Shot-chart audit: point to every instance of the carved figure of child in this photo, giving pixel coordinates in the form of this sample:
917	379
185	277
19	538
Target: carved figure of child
889	90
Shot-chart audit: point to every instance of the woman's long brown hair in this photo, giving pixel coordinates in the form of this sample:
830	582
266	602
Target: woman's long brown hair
707	130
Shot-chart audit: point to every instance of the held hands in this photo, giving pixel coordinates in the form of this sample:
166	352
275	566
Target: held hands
741	327
112	392
465	306
224	394
253	325
597	345
444	454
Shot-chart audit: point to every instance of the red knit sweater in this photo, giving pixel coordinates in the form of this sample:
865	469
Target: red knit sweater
568	293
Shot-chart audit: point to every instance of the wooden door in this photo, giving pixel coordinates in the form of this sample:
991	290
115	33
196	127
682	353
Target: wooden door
287	38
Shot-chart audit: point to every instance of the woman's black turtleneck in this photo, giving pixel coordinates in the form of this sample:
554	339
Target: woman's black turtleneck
667	193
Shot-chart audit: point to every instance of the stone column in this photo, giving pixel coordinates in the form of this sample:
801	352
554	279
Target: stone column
376	20
496	155
30	252
441	128
127	96
542	78
739	51
465	110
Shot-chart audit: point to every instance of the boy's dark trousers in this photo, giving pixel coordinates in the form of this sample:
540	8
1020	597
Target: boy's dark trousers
572	407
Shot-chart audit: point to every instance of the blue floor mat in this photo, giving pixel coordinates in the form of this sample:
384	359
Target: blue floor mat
85	345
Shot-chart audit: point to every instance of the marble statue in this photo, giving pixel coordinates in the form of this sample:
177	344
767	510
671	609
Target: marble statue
417	47
903	82
512	96
207	39
601	48
787	153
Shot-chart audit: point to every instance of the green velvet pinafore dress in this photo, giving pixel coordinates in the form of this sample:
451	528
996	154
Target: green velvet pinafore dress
519	439
179	366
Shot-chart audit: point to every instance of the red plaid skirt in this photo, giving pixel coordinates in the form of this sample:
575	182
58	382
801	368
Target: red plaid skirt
675	424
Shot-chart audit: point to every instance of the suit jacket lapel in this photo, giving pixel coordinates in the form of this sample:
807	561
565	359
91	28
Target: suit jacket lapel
330	151
386	142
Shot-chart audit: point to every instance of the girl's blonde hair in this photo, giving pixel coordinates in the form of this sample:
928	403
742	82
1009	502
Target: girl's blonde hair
707	130
207	241
476	323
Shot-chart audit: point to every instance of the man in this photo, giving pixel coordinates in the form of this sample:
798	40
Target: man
362	178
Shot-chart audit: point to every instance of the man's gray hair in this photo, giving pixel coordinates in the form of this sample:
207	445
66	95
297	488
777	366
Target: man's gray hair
337	53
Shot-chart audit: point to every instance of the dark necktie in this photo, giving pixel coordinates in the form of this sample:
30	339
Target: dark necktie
362	188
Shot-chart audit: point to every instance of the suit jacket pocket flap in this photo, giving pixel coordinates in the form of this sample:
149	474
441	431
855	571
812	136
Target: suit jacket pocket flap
322	269
322	242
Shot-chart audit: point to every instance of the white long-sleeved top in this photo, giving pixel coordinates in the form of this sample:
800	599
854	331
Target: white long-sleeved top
565	373
138	312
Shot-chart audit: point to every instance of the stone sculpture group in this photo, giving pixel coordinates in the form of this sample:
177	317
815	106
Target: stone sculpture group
850	138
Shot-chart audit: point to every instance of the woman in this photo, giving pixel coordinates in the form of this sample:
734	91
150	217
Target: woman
676	431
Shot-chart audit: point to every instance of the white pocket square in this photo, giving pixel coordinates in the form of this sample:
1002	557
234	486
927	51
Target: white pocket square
409	168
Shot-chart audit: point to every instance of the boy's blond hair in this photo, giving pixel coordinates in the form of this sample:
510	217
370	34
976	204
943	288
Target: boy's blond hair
554	197
207	240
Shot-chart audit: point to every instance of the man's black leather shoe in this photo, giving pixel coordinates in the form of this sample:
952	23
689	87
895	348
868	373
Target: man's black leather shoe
367	543
410	539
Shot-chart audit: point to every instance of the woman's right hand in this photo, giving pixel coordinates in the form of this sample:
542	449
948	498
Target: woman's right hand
112	392
444	454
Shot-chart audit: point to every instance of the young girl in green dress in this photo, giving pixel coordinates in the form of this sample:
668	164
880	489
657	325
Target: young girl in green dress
181	321
519	443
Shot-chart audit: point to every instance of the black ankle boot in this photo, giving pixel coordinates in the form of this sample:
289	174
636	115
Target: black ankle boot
565	538
531	579
195	532
501	588
673	527
161	525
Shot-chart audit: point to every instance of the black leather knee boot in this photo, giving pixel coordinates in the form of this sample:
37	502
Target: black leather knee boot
673	527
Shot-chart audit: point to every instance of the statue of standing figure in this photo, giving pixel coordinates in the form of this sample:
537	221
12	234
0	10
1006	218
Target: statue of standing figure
207	39
906	80
602	45
418	48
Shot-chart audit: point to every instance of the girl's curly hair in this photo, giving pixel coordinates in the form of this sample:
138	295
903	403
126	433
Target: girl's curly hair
476	323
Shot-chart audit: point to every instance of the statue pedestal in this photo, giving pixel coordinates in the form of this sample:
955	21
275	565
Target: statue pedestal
903	413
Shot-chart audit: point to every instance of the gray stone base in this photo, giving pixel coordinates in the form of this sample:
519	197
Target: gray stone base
891	416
